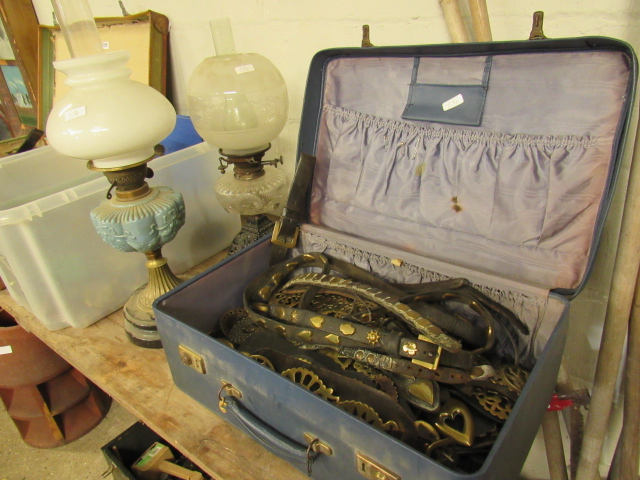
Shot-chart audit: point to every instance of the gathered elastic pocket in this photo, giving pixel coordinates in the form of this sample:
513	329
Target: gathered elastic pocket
530	190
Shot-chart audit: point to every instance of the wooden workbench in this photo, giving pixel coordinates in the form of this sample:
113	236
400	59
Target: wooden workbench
139	379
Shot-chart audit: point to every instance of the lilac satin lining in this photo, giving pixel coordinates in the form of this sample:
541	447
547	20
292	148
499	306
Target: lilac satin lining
521	205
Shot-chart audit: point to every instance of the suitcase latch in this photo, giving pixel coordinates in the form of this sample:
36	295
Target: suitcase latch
192	359
373	470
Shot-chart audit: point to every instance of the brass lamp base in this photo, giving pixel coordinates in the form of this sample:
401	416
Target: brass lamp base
140	323
254	227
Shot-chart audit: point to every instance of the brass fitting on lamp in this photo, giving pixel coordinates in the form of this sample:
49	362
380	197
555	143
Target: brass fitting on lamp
251	192
247	167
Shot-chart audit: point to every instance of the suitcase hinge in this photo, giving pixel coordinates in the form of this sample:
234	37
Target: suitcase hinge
373	470
366	41
536	29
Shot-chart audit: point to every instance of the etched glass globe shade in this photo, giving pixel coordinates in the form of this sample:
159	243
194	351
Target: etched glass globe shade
238	102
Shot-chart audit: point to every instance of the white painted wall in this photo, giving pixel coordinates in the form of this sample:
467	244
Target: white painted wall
290	32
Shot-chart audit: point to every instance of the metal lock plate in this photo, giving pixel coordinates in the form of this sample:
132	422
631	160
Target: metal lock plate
192	359
372	470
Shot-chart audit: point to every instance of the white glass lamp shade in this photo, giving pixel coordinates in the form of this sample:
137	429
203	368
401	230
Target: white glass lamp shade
252	197
107	117
238	102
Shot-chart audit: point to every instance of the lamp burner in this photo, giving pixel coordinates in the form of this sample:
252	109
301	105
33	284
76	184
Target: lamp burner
247	166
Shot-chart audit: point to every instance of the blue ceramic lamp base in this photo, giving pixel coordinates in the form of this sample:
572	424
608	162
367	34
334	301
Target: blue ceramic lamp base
142	219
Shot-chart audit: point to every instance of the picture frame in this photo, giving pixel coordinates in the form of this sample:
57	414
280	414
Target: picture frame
145	35
18	67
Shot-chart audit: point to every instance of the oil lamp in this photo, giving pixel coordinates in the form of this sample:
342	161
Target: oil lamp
238	102
115	123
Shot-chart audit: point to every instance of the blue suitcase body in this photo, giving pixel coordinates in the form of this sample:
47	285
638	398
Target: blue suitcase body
495	162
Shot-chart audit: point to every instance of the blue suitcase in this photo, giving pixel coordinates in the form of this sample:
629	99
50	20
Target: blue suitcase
494	162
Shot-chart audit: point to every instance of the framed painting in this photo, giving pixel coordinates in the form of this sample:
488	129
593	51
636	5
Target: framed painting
18	67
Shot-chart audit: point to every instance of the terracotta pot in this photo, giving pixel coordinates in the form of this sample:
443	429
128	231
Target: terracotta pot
24	358
50	402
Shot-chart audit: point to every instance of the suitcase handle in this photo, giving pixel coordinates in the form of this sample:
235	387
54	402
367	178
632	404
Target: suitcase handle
268	436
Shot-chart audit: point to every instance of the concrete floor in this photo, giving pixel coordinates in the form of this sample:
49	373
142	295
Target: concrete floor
79	460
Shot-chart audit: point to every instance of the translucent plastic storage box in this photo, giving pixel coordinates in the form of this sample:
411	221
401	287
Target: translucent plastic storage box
53	261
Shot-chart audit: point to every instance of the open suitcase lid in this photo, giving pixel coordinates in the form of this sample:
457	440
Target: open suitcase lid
497	157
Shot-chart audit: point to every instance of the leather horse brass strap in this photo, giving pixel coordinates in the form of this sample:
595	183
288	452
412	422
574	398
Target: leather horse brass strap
345	308
435	365
285	231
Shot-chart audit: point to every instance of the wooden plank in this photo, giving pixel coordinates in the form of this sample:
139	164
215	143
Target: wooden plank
139	379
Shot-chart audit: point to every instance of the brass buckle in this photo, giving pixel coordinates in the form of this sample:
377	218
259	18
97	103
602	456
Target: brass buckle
430	365
287	242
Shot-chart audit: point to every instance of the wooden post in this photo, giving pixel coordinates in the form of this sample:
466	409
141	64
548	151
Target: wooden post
629	442
625	273
480	17
455	23
554	447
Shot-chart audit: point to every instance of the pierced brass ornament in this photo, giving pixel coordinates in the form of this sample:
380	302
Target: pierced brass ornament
515	377
386	385
287	299
451	410
311	382
495	404
369	415
262	360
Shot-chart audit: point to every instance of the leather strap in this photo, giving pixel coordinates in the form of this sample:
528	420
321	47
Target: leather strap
405	367
260	290
422	350
285	231
321	329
